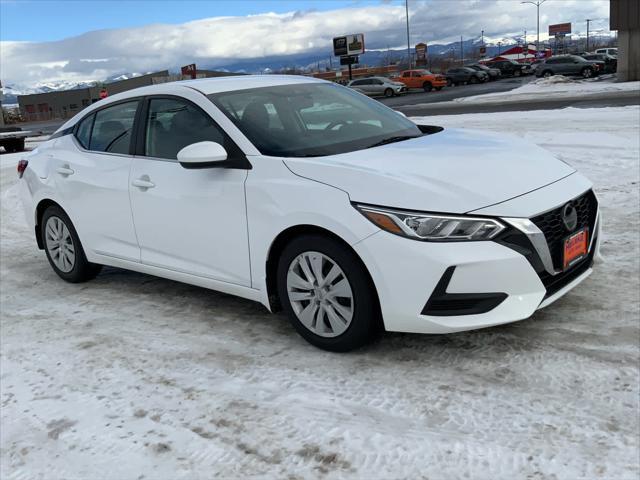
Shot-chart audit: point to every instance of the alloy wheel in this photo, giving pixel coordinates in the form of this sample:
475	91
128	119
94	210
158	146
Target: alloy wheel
60	244
320	294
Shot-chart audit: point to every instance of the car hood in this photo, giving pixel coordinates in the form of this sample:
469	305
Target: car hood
454	171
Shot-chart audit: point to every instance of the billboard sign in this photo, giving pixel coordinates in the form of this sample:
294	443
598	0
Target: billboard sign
559	29
189	70
348	45
483	50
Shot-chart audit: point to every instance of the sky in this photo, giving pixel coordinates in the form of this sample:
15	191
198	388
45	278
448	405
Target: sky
51	41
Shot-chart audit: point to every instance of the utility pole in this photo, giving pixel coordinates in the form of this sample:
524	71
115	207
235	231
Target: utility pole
406	6
499	49
588	21
461	51
537	4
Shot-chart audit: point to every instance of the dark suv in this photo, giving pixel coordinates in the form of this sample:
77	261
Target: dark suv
569	65
494	73
462	75
507	67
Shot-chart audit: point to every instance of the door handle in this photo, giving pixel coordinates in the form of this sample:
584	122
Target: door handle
65	170
143	183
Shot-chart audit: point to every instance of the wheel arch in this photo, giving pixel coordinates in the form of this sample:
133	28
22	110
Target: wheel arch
277	247
40	209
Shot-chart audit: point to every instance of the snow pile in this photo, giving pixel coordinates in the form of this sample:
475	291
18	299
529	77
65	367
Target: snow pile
556	87
130	376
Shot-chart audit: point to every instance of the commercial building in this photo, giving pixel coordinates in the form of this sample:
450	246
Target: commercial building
65	104
625	18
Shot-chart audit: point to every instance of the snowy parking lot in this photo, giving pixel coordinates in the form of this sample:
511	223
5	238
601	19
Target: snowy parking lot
135	377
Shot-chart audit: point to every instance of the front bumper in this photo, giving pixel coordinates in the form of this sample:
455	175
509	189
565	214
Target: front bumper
421	284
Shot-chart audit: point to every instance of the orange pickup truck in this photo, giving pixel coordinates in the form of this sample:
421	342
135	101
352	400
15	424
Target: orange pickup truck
421	79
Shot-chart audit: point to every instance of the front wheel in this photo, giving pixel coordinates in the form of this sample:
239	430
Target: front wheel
587	72
327	293
547	74
63	248
517	73
426	86
388	93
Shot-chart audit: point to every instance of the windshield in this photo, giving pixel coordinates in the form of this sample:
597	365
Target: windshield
303	120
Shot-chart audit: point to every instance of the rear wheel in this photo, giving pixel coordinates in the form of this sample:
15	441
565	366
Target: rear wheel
63	248
547	73
327	294
473	80
388	93
449	82
427	87
517	73
587	72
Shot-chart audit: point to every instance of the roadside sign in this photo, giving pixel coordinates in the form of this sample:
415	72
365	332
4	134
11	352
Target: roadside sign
421	54
349	60
104	93
559	29
189	70
348	45
483	50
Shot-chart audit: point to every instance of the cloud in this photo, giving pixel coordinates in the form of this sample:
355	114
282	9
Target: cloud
224	40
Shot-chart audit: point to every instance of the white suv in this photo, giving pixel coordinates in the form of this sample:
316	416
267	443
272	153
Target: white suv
304	195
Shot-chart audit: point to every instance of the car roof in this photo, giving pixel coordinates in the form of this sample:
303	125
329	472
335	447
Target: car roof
206	86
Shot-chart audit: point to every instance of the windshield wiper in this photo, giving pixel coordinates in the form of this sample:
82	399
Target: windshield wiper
398	138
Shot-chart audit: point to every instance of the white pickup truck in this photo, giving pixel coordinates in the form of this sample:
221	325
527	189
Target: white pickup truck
12	139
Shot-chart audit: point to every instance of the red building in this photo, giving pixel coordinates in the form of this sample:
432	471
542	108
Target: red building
520	54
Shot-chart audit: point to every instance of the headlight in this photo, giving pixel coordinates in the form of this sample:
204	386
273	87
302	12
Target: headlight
432	227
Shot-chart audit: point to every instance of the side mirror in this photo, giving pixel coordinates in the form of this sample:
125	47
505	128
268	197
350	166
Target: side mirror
203	155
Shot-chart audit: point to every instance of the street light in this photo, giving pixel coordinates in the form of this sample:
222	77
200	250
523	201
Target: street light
537	4
406	6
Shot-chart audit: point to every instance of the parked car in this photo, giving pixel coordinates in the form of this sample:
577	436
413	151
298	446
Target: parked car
610	62
307	196
464	75
609	51
421	78
507	67
569	65
12	138
377	86
493	73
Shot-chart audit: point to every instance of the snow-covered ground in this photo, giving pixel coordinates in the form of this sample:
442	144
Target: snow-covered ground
134	377
557	87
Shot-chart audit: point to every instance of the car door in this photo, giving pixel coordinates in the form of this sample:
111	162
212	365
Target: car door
91	174
407	80
377	86
187	220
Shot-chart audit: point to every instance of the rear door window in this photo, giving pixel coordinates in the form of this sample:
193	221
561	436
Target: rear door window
112	128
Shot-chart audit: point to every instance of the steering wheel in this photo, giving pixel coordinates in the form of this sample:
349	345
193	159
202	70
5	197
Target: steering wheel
335	123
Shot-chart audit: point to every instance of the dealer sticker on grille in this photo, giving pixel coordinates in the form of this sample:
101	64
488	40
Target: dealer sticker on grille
575	248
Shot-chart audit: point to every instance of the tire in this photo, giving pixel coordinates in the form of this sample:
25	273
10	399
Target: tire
73	268
587	72
517	73
388	93
427	87
438	89
547	74
473	80
359	314
449	82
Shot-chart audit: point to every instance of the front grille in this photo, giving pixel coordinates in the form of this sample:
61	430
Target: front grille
550	223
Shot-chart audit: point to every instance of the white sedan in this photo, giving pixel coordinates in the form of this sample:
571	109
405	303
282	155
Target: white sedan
309	197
